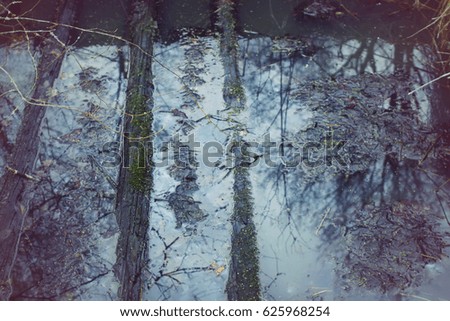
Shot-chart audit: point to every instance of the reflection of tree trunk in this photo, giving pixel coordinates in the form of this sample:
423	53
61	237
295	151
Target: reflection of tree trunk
243	280
133	201
370	57
440	111
403	59
22	159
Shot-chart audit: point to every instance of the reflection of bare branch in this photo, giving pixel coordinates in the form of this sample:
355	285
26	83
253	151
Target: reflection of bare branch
353	58
162	276
273	279
186	271
272	15
22	295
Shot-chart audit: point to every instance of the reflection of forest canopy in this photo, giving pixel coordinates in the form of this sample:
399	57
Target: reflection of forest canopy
391	155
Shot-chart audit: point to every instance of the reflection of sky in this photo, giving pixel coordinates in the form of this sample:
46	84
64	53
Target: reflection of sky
301	215
300	218
186	270
301	222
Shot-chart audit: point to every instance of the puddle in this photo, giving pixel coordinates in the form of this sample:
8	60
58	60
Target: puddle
314	82
348	162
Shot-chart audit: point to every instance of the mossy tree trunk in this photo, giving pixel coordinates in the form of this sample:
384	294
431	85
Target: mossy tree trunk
135	177
22	159
243	280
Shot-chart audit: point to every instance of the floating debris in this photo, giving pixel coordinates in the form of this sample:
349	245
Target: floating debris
389	246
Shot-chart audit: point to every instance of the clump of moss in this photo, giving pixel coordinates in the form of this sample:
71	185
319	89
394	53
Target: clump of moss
150	26
140	176
243	200
236	91
137	101
226	17
141	117
141	122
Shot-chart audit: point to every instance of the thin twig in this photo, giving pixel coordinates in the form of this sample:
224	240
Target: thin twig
429	150
323	220
429	83
442	207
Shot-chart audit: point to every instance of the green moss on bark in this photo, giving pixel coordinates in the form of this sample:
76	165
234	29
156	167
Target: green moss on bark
247	259
140	171
141	131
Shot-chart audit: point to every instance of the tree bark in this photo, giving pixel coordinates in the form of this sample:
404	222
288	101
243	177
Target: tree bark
135	177
243	279
22	159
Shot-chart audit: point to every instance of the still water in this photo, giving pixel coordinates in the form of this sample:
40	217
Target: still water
375	228
349	173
